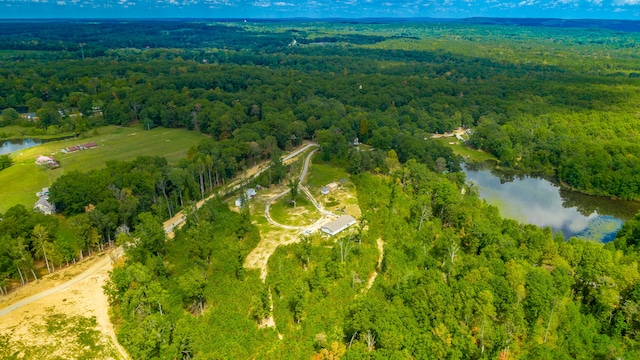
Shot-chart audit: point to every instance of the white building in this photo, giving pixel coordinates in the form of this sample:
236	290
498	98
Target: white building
337	225
44	206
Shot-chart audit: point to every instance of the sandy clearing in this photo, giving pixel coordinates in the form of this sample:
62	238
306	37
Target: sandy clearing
81	296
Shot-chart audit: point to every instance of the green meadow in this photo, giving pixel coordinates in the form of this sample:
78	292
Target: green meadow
20	182
468	153
322	173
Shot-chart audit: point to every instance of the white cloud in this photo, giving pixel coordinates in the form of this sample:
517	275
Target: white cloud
282	3
526	3
625	2
263	4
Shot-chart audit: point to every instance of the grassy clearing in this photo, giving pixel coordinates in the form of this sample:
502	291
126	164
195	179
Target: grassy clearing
343	200
469	154
321	173
303	214
20	182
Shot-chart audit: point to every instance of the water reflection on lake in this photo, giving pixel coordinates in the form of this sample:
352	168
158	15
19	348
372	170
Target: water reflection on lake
9	146
540	202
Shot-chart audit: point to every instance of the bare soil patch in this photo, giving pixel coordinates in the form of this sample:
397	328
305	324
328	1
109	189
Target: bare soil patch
59	325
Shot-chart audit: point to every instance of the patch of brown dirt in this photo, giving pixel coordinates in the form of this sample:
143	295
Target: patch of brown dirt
82	298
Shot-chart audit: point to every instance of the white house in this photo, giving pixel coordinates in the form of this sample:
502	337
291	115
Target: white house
337	225
44	206
47	161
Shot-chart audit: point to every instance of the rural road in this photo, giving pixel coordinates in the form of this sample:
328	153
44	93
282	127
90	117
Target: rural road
179	218
168	227
106	261
303	174
325	214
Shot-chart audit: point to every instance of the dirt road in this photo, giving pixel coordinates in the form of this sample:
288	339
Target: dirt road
178	219
78	292
81	296
258	258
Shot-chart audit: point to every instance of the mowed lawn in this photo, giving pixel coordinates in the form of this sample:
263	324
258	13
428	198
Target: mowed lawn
20	182
322	173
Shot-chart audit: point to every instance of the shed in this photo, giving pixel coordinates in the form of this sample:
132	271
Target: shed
239	202
332	186
251	192
337	225
324	190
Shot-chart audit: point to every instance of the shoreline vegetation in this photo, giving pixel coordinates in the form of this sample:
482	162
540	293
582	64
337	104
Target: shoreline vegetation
473	156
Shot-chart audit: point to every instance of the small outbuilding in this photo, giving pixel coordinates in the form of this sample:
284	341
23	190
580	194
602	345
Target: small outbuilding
338	225
332	186
251	192
239	202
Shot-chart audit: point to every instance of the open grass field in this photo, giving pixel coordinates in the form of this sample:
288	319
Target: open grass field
469	154
302	215
341	201
322	173
20	182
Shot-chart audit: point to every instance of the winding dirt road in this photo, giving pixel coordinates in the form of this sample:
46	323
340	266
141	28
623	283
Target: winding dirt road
83	294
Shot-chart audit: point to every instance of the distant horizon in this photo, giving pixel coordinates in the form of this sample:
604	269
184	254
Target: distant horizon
315	9
363	19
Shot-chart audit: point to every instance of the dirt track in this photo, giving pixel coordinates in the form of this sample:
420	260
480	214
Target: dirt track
80	296
78	291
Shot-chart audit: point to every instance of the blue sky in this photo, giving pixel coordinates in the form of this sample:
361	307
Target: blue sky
568	9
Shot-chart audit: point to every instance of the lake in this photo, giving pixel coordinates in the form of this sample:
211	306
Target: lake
9	146
538	201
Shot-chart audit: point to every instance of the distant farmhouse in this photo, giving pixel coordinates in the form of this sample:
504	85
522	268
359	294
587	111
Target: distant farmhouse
43	205
338	225
47	161
29	117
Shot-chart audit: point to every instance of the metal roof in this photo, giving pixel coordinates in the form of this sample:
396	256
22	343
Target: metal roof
338	224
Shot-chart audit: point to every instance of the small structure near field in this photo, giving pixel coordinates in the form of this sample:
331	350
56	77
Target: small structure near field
331	187
337	225
47	161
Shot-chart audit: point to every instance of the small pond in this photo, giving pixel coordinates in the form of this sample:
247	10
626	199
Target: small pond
541	202
9	146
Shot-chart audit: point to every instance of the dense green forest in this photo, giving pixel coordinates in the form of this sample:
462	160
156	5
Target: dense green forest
561	101
456	279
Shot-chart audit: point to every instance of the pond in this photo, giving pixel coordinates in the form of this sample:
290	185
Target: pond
541	202
9	146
